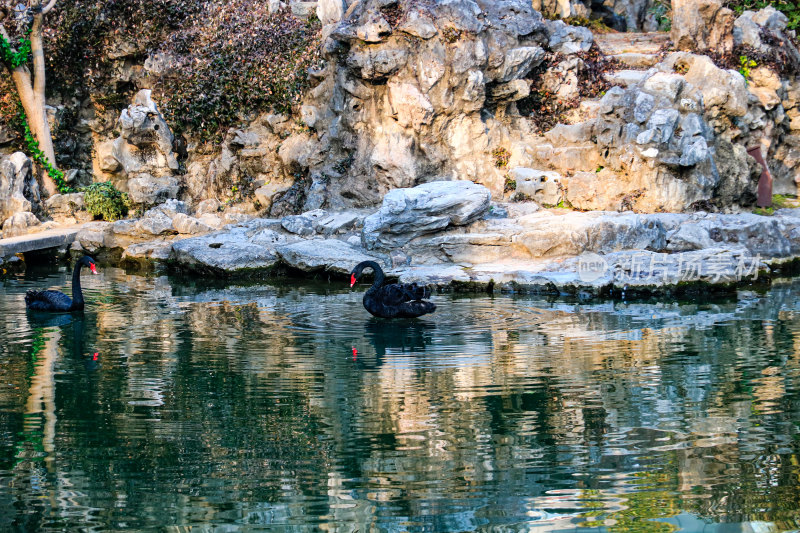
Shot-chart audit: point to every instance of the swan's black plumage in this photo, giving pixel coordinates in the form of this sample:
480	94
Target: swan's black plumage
57	301
397	300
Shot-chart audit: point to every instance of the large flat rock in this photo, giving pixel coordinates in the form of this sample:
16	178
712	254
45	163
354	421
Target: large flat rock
628	272
236	251
329	254
424	209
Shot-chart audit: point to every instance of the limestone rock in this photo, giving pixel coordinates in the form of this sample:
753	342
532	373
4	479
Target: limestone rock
19	191
519	61
230	253
19	224
410	106
147	251
540	185
303	224
588	190
321	222
62	207
723	89
157	223
566	39
418	24
145	143
702	25
329	254
170	208
408	213
758	234
748	27
185	224
149	190
333	223
330	11
95	235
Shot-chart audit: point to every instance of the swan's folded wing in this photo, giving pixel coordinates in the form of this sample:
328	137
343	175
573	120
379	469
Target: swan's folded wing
417	292
396	294
415	308
47	300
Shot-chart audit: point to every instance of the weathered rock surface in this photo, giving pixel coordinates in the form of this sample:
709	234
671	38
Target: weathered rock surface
67	208
514	248
145	143
542	186
615	274
149	190
19	190
438	91
409	213
19	223
324	254
150	251
324	223
666	142
702	25
239	250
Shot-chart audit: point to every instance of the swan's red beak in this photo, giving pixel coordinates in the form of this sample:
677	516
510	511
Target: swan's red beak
92	268
352	280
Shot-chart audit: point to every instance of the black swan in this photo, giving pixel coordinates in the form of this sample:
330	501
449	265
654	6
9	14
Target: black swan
58	301
395	300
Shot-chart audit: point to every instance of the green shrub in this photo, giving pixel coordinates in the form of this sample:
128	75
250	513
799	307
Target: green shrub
745	64
662	11
103	199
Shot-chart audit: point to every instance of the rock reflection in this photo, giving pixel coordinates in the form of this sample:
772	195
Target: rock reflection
242	404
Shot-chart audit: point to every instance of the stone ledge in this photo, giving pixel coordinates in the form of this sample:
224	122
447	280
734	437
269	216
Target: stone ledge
54	238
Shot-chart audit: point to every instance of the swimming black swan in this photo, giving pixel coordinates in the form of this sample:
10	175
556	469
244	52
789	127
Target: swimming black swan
58	301
392	301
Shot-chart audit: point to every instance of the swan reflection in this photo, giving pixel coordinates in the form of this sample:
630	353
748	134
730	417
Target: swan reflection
398	336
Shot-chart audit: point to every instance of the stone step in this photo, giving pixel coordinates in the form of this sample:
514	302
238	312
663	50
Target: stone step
637	60
54	238
627	77
642	43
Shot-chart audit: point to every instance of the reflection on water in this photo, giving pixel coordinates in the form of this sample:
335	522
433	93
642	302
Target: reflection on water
245	406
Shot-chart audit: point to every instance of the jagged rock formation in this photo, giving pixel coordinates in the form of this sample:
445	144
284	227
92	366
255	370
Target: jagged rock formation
412	100
416	94
19	190
142	158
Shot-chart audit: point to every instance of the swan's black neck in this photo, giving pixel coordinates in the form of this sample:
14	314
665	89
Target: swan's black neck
378	272
77	293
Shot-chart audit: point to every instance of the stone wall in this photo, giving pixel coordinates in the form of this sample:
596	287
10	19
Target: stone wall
411	93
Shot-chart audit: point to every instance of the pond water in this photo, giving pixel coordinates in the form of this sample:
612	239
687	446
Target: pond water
169	404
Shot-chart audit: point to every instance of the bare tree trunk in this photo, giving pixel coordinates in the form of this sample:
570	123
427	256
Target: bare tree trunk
31	90
37	115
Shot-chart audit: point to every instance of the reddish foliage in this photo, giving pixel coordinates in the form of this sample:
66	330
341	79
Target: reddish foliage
230	56
238	59
547	109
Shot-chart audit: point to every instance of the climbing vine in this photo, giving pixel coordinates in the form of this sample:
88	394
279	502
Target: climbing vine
20	57
13	60
39	156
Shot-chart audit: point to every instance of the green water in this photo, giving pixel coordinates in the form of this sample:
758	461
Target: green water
243	407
